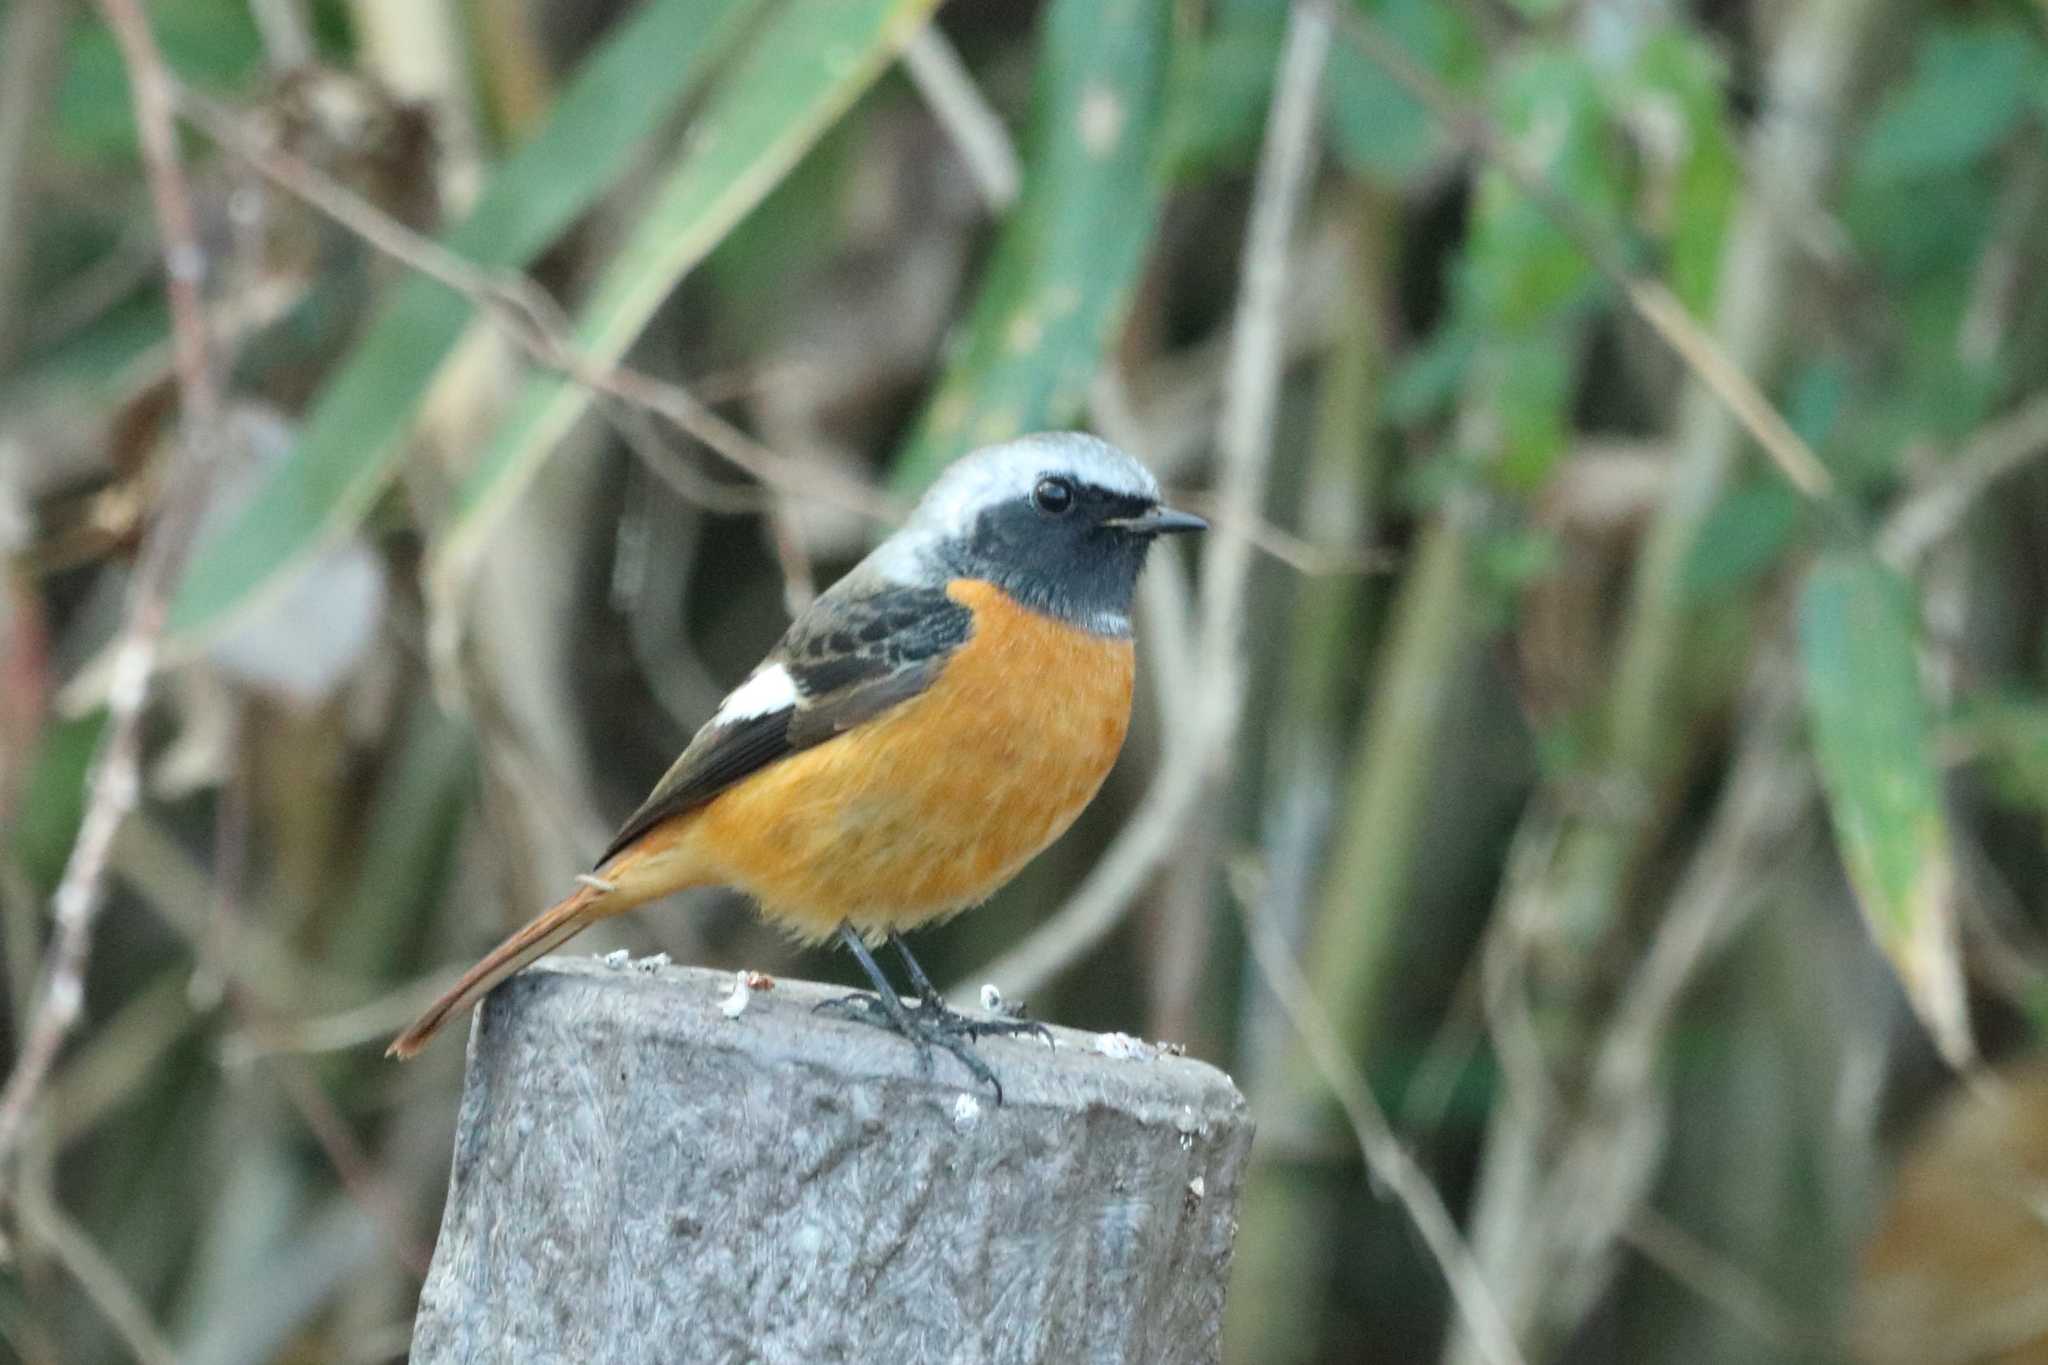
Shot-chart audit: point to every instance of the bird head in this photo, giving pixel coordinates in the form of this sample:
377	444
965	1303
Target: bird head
1061	521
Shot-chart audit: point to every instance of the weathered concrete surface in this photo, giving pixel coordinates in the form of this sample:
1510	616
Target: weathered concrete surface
640	1178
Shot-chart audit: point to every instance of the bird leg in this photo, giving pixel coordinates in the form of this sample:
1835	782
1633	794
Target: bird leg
885	1009
932	1005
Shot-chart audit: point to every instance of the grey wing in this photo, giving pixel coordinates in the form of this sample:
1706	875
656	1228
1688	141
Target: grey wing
851	656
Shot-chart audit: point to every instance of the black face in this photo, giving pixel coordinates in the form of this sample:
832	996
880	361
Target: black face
1058	551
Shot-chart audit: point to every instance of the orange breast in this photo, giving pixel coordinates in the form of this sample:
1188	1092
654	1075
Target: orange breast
934	805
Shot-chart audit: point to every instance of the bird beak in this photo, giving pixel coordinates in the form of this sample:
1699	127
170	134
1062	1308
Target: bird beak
1160	521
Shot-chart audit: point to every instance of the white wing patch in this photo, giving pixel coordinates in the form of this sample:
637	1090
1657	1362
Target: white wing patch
771	689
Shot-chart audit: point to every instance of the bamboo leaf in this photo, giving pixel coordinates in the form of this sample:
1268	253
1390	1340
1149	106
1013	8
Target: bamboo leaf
1968	91
353	437
1874	741
1377	128
1056	288
804	69
1684	77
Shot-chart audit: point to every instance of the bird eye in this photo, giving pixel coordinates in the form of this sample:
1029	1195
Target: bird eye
1054	497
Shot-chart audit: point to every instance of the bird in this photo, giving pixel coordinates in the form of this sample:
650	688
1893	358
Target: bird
922	730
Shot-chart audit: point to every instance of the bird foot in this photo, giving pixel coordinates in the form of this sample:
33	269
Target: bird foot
928	1025
933	1009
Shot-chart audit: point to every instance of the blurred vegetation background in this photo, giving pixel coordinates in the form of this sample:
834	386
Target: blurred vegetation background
1616	673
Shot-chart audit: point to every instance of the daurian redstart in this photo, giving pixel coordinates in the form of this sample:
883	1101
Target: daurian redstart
922	730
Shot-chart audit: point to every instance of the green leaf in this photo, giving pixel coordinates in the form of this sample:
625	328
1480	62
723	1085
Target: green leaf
1523	288
1681	70
211	43
1968	90
354	435
1531	393
1521	271
804	68
53	799
1873	740
1219	94
1377	128
1427	378
1743	537
1056	287
94	366
1511	559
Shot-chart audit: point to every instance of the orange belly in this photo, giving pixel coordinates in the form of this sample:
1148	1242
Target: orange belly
934	805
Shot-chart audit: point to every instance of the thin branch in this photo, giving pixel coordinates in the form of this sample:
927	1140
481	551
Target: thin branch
1284	547
275	1034
1655	304
232	823
174	887
1599	1178
977	130
1764	800
1199	746
124	1053
792	557
1392	1168
529	316
116	774
683	411
1725	1285
1711	365
1932	514
1504	969
534	322
1999	284
359	1176
1252	386
68	309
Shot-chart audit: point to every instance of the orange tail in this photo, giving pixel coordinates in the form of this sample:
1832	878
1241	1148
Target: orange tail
659	861
545	932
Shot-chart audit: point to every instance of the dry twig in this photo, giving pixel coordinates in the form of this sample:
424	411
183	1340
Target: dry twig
352	1165
1651	300
1725	1285
1391	1166
115	780
274	1034
976	129
1283	546
534	322
528	315
1993	453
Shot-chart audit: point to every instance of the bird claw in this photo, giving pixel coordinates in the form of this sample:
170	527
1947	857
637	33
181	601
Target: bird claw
952	1021
858	1005
928	1025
